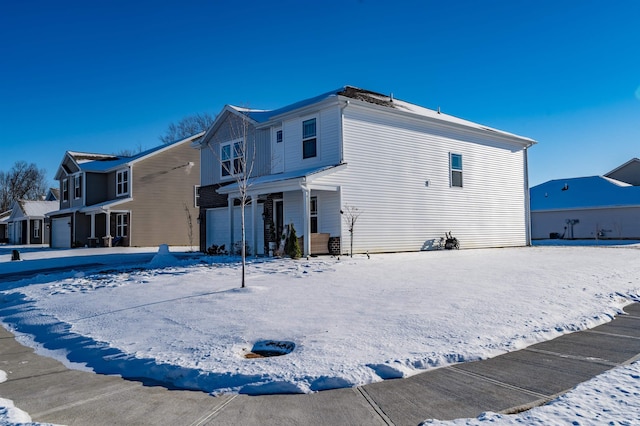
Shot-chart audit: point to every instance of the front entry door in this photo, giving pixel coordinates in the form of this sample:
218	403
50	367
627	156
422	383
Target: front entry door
278	219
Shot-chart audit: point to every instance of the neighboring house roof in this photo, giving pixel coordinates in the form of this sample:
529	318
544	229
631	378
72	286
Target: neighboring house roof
366	96
53	194
628	172
583	193
4	216
103	163
33	209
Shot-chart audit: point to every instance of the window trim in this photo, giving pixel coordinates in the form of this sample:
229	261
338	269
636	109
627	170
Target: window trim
65	189
124	184
311	138
227	172
36	229
455	170
77	187
122	224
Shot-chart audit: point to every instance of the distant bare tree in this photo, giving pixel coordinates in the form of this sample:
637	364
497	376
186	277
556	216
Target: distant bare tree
129	152
186	127
23	181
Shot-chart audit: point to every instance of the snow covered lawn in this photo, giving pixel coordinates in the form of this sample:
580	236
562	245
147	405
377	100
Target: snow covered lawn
352	321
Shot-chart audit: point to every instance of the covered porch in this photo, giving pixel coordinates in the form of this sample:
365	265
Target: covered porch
275	201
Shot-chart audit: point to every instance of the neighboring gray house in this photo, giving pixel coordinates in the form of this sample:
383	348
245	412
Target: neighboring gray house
589	207
146	199
412	173
28	223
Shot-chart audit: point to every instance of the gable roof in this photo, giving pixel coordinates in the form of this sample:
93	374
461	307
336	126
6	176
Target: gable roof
105	162
31	208
628	172
4	216
364	97
583	193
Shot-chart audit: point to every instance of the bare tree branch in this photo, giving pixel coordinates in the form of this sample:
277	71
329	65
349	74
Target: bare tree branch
23	181
186	127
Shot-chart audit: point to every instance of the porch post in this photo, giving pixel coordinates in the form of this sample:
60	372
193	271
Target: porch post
306	222
230	207
108	228
254	229
93	225
28	231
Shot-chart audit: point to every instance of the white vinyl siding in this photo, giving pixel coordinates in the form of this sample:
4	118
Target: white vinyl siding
327	140
389	161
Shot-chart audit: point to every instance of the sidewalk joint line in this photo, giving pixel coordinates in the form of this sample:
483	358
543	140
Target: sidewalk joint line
498	382
574	357
612	334
205	418
375	406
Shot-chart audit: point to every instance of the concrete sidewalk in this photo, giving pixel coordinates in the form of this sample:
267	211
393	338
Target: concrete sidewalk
49	392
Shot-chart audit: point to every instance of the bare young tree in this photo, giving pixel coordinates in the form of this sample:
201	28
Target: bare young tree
23	181
237	160
186	127
350	215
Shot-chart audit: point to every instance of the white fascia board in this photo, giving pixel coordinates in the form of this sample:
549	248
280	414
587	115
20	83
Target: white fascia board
106	206
219	120
454	122
571	209
302	111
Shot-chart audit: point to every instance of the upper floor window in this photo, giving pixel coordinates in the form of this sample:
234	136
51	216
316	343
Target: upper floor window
309	138
122	182
77	186
65	189
231	158
455	161
278	136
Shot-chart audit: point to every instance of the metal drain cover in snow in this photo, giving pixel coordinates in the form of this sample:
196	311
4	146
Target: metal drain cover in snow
268	348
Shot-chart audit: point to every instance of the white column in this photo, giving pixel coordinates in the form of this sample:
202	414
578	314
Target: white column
306	222
93	225
230	206
108	228
254	224
28	231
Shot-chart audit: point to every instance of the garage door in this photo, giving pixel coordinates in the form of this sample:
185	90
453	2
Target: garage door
61	232
218	225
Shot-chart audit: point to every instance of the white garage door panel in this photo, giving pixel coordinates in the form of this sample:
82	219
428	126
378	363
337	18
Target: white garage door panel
61	232
218	223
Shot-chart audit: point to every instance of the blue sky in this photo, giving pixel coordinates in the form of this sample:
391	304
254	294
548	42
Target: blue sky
103	76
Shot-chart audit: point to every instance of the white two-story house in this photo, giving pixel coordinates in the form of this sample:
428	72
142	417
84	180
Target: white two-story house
412	174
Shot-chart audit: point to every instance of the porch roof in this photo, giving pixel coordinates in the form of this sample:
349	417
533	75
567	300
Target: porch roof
105	206
280	182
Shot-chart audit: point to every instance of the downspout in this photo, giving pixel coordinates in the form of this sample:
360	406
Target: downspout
306	202
527	198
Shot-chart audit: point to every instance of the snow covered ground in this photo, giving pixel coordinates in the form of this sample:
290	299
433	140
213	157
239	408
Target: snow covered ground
348	321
